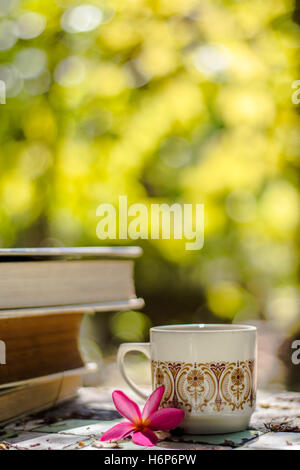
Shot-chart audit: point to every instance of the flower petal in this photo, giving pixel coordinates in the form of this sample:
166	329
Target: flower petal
117	432
166	419
126	406
145	438
153	402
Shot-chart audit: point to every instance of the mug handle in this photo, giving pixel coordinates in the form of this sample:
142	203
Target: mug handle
123	350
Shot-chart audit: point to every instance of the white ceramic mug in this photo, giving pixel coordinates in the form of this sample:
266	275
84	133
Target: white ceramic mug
208	370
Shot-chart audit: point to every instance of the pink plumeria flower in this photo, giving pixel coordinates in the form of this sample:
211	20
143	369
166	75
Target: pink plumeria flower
142	425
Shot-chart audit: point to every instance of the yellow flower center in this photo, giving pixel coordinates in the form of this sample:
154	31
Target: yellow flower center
141	425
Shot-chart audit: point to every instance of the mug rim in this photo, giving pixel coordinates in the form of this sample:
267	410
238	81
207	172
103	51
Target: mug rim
203	328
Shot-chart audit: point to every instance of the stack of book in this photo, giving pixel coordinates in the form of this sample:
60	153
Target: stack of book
44	294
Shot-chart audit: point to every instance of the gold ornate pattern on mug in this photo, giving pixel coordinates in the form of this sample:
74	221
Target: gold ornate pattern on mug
204	387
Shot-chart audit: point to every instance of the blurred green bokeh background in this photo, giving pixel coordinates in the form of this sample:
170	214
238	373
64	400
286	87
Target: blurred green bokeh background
162	101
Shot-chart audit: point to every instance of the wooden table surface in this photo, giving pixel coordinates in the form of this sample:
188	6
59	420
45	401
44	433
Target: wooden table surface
79	424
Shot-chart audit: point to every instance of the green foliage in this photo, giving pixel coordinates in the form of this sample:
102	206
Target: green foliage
165	101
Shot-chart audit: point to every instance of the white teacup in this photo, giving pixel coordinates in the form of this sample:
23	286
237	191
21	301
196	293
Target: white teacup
208	370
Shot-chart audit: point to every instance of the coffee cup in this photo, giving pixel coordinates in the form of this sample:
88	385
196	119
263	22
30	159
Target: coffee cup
208	370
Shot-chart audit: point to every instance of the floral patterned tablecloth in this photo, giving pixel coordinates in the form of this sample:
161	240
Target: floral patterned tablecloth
79	424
